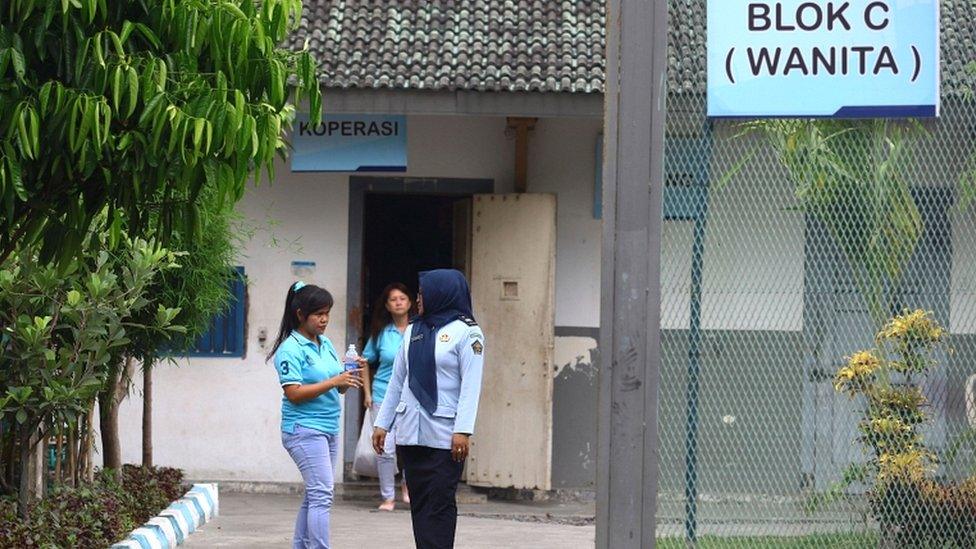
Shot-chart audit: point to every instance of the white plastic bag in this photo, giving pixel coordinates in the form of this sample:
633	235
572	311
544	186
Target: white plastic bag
364	464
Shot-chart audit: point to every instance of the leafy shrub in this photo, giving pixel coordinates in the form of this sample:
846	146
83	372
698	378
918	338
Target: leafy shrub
95	515
148	490
63	332
927	513
912	508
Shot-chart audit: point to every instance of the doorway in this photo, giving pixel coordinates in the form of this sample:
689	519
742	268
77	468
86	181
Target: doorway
399	226
407	234
506	244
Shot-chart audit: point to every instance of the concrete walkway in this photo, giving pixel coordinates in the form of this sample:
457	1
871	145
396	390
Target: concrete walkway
266	521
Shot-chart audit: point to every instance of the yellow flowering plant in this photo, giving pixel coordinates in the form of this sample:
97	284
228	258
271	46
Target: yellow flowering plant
893	412
858	373
916	326
913	336
912	507
912	466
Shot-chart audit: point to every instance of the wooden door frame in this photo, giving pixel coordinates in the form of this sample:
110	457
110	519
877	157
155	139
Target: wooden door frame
359	188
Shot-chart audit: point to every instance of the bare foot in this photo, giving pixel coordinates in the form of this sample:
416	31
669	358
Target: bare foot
404	494
387	505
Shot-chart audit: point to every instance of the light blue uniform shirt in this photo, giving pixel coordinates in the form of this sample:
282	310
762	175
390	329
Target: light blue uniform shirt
383	350
459	355
300	362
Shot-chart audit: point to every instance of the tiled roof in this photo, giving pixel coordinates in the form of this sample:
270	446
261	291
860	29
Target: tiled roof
958	45
525	45
483	45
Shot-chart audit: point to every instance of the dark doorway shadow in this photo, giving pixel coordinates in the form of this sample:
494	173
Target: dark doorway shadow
398	226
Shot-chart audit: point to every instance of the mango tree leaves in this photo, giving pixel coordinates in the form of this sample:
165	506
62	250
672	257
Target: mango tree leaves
136	106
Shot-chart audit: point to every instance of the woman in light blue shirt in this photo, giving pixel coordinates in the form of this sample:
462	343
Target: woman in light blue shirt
311	378
390	319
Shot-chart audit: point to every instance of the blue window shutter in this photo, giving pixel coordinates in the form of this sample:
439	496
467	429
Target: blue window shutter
686	177
598	179
225	338
238	326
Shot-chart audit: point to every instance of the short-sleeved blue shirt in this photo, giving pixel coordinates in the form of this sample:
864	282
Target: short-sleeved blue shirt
301	362
383	351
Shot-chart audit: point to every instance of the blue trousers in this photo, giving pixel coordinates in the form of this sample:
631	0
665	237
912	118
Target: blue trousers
315	453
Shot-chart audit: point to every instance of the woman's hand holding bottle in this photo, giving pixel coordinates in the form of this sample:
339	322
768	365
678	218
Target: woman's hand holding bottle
348	379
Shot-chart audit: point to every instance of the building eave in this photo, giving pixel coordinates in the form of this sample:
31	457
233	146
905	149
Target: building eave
462	103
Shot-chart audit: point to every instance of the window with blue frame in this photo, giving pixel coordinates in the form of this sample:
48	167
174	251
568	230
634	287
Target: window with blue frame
685	180
225	338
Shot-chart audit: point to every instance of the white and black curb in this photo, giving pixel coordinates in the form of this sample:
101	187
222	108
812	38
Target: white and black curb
172	526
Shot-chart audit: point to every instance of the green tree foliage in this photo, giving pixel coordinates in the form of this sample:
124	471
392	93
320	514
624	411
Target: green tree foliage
199	287
200	290
61	327
138	106
852	177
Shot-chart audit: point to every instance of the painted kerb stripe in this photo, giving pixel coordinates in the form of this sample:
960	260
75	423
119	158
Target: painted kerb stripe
167	528
176	522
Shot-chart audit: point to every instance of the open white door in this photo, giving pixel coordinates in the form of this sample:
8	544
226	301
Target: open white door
512	281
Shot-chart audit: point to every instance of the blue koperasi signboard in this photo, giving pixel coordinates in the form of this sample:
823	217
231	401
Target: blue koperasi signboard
350	143
853	59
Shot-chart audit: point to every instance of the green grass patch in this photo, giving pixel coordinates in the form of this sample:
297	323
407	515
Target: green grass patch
799	542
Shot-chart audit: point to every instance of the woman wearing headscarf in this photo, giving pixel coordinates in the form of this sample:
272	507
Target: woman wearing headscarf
432	401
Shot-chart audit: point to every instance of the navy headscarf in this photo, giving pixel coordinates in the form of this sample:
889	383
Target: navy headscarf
446	298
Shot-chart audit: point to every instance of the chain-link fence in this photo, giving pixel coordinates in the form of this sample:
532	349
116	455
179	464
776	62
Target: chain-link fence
780	261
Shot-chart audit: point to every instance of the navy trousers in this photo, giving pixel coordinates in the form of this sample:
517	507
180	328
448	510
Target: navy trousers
432	478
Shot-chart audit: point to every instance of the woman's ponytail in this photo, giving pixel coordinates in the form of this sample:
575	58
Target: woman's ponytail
306	298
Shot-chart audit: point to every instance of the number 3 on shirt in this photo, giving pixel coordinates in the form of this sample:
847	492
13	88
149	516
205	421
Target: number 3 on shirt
284	368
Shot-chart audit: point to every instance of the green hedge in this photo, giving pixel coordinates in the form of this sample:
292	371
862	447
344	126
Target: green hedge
92	516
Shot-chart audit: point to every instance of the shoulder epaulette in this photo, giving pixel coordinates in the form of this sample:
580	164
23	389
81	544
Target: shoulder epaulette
468	320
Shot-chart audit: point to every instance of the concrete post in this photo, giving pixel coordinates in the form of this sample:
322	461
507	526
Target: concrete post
630	339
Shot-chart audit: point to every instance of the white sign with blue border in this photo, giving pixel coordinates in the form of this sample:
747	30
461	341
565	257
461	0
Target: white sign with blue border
841	59
350	143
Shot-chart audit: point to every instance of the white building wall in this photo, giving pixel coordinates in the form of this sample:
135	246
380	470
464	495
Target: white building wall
219	418
753	261
962	299
562	160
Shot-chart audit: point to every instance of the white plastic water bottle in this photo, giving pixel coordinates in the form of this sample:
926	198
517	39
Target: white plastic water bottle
351	360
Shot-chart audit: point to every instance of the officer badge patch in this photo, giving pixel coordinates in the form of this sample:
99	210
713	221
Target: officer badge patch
445	338
477	347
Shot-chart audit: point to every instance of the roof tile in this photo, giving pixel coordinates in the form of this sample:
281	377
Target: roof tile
526	45
506	45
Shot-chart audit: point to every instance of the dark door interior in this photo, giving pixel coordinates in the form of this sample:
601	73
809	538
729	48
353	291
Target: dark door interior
404	235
